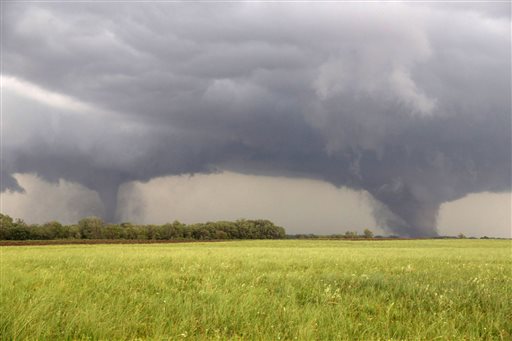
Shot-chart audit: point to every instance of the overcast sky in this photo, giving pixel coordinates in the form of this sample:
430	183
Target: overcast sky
320	116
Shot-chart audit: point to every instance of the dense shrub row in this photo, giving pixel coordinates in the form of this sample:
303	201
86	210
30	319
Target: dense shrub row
95	228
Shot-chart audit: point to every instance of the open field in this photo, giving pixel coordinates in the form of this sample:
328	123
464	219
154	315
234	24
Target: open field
406	289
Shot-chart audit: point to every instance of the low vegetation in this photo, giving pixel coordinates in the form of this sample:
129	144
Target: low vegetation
259	290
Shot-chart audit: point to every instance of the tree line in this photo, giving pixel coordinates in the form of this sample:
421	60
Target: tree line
95	228
367	234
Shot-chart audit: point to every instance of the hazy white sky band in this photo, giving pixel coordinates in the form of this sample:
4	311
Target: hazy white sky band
301	205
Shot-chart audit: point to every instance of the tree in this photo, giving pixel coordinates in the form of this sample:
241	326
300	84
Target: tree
367	233
112	231
91	228
6	223
54	230
18	230
350	234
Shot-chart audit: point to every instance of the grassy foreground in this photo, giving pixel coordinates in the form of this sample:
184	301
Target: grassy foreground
418	289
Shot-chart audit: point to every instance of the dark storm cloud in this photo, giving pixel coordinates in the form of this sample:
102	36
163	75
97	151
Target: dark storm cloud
409	102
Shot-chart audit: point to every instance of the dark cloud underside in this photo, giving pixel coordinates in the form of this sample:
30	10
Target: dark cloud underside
410	102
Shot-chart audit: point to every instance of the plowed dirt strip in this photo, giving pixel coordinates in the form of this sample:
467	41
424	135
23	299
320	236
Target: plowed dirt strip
172	241
97	241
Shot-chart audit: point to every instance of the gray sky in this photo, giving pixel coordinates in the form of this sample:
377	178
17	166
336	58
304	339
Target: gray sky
404	106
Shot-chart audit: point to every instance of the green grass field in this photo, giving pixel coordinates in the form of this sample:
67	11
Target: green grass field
252	290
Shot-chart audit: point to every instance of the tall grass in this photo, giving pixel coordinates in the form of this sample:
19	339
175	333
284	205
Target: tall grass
421	289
